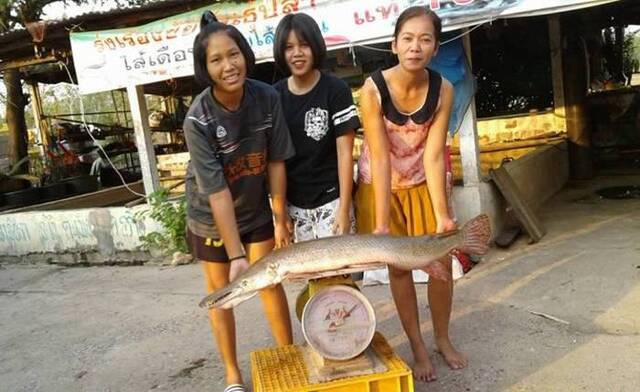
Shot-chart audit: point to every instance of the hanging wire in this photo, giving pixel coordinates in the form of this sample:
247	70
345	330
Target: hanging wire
86	127
468	31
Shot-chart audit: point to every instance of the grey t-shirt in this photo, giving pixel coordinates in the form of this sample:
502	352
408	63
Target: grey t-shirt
232	149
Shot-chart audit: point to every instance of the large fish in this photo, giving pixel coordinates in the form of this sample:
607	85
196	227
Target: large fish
352	253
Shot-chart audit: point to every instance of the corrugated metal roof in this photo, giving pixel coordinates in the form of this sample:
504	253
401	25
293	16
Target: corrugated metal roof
17	44
78	20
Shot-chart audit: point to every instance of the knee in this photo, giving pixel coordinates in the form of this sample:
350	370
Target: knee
395	273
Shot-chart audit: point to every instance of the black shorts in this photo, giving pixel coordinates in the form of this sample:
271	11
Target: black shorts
212	250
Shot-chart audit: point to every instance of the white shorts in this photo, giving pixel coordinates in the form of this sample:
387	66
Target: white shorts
314	223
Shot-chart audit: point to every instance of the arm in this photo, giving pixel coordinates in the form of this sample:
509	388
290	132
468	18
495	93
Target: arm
225	217
278	190
344	145
280	148
344	119
378	143
433	159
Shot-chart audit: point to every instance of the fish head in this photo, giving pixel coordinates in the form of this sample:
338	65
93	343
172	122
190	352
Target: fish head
259	276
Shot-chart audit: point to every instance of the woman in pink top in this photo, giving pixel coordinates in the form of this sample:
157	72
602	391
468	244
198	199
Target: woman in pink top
405	111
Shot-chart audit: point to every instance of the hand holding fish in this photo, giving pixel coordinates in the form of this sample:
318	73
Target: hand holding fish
445	224
382	230
342	222
283	229
237	267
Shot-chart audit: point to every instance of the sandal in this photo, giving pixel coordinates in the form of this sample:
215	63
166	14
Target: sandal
235	388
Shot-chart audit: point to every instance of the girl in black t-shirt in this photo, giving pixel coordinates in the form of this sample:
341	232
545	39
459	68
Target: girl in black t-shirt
322	119
237	138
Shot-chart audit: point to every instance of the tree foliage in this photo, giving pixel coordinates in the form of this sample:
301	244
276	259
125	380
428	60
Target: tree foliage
17	13
630	57
513	68
172	215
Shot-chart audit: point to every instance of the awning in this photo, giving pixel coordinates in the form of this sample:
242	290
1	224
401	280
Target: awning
161	50
546	7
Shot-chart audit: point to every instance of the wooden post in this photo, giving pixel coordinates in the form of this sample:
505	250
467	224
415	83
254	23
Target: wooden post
469	148
555	46
575	85
146	154
42	126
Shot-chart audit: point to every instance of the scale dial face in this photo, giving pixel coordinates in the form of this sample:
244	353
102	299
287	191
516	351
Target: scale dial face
338	322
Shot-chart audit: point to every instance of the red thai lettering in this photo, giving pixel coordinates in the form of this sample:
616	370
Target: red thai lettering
386	11
367	17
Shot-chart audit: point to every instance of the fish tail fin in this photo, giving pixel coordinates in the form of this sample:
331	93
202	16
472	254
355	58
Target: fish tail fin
476	235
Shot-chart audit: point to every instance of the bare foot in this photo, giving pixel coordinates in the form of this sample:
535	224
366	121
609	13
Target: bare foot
423	369
452	357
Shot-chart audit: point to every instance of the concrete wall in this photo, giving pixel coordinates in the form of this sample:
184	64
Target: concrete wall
485	198
520	127
95	235
510	137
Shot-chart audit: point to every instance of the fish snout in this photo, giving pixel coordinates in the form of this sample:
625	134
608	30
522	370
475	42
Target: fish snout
217	298
235	293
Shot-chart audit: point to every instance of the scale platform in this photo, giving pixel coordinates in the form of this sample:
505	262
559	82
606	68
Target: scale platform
288	369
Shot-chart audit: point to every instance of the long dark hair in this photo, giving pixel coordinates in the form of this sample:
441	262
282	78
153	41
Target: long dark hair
209	25
415	11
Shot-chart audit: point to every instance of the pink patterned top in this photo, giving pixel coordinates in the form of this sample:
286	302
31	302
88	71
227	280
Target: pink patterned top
406	141
406	147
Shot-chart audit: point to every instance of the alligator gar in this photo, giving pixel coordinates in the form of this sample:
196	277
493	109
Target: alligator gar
353	253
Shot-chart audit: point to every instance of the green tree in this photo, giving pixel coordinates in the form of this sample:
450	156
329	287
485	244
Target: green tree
630	60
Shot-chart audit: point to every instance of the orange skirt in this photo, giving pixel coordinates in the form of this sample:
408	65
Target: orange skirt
411	212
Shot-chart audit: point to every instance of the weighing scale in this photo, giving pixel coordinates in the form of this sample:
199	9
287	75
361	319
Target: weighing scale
343	352
338	324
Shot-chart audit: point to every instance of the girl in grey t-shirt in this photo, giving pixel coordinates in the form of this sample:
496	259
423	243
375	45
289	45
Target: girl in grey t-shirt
238	141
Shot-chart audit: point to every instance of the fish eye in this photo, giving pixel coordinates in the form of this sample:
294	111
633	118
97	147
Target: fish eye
244	283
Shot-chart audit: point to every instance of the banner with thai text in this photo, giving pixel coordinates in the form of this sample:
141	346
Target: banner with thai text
162	50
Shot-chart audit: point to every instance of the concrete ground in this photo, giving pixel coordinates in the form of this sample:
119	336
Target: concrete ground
139	328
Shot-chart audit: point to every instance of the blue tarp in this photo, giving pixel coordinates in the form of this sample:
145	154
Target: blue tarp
452	63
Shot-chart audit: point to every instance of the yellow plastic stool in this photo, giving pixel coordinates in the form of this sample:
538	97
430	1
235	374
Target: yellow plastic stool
284	369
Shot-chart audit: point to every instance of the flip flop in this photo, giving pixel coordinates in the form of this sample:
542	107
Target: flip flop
235	388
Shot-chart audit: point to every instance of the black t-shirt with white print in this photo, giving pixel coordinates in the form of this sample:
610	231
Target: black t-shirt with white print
315	120
233	149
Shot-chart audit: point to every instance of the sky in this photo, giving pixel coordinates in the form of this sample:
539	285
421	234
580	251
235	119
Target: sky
59	10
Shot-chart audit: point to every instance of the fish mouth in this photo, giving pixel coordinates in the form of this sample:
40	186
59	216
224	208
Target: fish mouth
226	298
